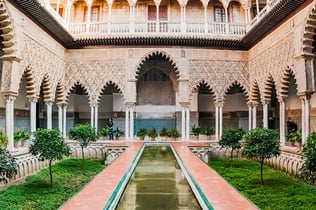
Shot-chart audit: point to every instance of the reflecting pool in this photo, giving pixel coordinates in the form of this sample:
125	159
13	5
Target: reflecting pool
158	183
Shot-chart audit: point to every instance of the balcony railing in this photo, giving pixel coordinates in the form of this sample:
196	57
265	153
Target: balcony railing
157	27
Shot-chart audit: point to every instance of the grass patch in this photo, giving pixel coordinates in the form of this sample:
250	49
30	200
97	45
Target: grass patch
278	192
69	176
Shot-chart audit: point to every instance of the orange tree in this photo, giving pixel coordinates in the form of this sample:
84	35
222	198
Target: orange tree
261	143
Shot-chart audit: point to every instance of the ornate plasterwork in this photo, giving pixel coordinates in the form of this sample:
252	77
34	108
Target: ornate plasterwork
272	65
94	75
42	62
219	75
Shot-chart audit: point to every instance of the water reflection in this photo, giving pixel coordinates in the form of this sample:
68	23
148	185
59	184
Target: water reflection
158	183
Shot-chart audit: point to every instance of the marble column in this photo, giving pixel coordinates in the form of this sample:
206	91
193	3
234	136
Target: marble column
187	125
265	114
183	130
33	102
254	116
49	106
64	121
249	116
216	123
92	115
282	122
60	118
10	120
131	124
126	123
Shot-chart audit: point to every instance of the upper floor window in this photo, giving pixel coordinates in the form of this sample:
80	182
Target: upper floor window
219	14
94	15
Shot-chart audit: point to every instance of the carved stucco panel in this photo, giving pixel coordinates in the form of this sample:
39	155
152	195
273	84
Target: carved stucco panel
273	62
94	75
219	75
42	62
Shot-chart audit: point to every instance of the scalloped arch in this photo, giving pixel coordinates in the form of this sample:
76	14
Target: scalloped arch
309	32
30	83
151	54
254	92
72	87
46	88
203	82
285	81
267	89
60	97
239	85
110	82
7	29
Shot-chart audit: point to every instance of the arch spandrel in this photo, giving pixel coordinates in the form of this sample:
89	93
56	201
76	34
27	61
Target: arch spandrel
93	75
220	74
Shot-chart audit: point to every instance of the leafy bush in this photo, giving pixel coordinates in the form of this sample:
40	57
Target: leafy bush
231	138
261	143
308	170
8	166
3	140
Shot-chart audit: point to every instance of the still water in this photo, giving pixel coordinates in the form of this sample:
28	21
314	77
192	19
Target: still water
158	183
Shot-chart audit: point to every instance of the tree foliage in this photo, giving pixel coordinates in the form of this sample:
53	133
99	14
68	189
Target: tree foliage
84	134
231	139
308	170
261	143
49	145
8	166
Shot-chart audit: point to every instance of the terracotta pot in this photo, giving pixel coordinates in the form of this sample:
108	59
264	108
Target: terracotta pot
291	143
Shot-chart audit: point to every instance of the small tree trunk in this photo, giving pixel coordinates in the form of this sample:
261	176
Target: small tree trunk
261	170
231	157
50	173
82	153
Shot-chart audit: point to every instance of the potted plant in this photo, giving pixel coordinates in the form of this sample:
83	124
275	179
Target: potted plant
173	134
105	133
295	136
163	134
195	130
20	135
141	133
209	131
153	134
118	133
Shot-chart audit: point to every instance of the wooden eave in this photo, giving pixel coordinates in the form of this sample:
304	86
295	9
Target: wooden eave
34	10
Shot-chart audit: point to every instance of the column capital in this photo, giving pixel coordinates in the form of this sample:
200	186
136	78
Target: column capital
10	96
49	103
33	99
185	104
306	95
130	104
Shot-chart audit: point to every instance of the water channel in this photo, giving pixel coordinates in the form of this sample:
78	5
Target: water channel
158	184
